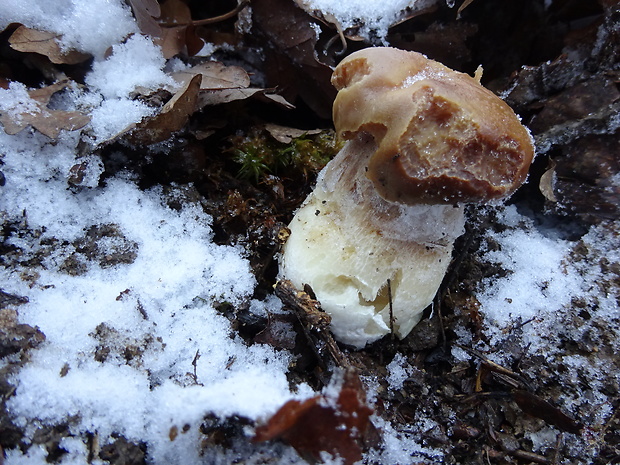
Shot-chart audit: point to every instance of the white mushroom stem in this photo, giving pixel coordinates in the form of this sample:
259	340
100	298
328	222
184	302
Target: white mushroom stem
346	242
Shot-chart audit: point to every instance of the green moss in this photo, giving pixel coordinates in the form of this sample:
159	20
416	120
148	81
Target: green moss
258	153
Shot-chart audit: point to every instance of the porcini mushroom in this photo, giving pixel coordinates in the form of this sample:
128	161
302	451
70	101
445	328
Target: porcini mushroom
375	237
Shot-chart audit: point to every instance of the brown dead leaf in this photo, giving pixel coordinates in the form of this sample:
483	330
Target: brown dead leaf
546	183
145	12
46	121
334	423
291	61
286	135
173	116
223	84
45	43
178	31
215	75
537	407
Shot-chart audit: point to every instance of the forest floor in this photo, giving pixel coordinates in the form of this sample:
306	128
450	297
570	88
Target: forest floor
151	158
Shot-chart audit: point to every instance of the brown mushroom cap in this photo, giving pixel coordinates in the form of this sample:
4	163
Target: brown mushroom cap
441	136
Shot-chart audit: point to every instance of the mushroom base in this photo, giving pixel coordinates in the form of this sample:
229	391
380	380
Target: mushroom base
348	243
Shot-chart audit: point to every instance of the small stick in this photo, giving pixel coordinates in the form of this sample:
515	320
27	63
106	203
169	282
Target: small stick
389	289
215	19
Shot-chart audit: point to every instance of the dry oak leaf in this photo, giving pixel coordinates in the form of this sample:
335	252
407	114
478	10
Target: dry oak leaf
46	121
333	423
224	84
178	30
172	117
45	43
145	12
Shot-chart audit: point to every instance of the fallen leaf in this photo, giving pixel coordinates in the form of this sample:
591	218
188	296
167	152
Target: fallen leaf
45	43
178	31
540	408
334	422
215	75
145	12
291	62
46	121
223	84
286	135
173	116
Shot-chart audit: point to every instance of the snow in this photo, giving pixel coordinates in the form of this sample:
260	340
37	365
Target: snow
164	300
375	18
89	27
15	101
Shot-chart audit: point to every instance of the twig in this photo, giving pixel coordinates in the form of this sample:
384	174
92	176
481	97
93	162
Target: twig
215	19
391	305
312	318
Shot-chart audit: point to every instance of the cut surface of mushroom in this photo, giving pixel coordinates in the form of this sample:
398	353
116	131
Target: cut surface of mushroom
422	141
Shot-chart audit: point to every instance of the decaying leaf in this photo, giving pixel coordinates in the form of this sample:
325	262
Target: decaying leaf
286	135
25	39
215	75
546	183
178	34
145	12
223	84
291	61
46	121
336	423
540	408
173	116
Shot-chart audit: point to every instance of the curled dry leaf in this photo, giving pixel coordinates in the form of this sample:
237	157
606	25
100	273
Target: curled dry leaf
46	121
215	75
173	116
178	30
145	12
286	135
333	423
45	43
547	182
223	84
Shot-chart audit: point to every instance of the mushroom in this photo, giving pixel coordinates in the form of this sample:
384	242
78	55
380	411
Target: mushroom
375	237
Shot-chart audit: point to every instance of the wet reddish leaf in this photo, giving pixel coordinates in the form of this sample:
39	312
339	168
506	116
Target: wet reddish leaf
44	43
540	408
332	423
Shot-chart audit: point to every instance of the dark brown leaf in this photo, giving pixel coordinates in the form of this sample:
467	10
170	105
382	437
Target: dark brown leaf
540	408
145	12
292	65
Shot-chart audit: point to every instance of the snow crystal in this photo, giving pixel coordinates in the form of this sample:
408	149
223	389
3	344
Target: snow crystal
398	372
137	62
15	101
537	277
162	302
